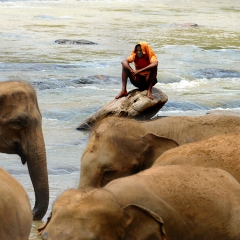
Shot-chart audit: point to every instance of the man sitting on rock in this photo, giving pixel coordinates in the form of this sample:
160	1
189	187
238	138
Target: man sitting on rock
145	73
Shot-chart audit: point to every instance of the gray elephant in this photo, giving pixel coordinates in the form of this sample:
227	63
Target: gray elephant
120	147
15	210
21	134
160	203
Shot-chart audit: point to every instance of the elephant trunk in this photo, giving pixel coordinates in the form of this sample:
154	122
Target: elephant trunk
90	176
84	184
37	167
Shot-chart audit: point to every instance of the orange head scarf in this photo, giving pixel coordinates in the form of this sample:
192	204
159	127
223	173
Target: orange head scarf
146	49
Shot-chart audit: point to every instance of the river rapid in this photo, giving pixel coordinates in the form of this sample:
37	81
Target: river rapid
198	66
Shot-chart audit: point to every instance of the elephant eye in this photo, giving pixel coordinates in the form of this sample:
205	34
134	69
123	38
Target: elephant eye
16	125
109	174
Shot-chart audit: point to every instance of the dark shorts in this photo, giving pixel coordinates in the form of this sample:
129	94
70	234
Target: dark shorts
141	82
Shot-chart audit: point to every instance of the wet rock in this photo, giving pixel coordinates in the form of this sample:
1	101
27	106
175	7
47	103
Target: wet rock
186	25
216	73
75	42
54	84
96	79
136	105
101	77
84	81
105	79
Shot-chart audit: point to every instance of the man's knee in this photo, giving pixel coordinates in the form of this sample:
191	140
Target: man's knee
154	70
153	74
125	70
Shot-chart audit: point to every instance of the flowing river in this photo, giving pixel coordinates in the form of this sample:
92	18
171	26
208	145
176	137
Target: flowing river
197	44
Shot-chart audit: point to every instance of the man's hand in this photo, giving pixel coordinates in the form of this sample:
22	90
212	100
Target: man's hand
135	72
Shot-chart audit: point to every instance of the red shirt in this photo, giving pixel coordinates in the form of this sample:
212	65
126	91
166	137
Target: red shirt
148	57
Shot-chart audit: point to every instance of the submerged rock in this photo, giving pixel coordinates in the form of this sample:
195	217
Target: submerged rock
186	24
76	42
136	105
50	84
216	73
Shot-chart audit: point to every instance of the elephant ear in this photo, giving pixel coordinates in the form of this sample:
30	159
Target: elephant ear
143	224
158	145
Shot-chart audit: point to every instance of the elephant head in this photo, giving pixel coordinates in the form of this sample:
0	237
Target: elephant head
97	215
119	147
21	134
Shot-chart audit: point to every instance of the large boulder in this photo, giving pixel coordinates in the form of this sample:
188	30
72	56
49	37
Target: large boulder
136	105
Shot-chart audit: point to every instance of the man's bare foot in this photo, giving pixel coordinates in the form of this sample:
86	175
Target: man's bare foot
149	95
122	94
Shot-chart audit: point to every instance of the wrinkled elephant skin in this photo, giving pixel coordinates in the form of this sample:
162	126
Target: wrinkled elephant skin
21	134
187	129
161	203
120	147
221	151
16	216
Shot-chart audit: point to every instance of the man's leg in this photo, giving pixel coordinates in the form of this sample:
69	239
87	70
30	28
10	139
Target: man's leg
151	81
125	75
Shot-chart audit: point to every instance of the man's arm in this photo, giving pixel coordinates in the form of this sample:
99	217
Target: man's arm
125	64
150	66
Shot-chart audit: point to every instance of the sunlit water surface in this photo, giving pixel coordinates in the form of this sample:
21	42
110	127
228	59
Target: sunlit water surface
198	66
